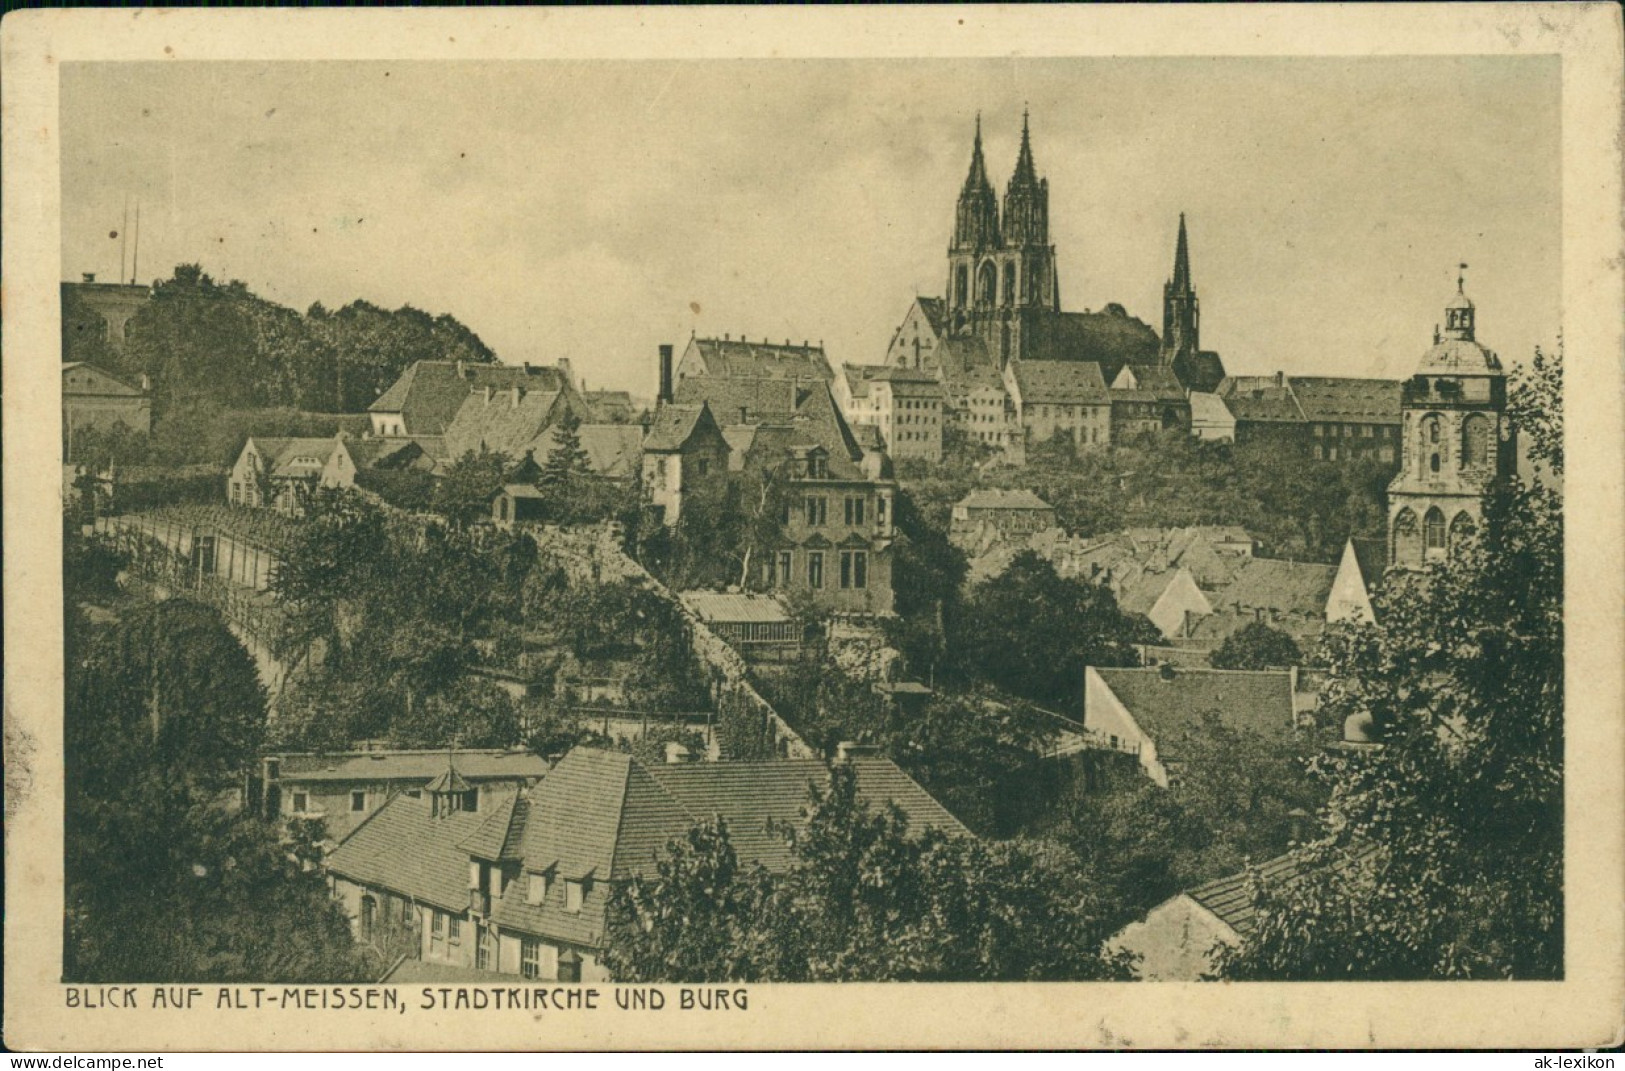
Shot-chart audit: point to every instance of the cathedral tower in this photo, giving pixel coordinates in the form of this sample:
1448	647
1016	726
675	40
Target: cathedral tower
1181	311
999	267
1456	442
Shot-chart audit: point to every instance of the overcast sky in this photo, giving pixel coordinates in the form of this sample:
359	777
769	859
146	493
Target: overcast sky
595	209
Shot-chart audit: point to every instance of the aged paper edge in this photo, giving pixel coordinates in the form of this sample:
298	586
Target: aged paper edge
1584	1010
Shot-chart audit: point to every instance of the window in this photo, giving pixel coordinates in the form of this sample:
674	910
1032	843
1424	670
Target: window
536	888
817	511
854	511
530	957
437	932
236	492
301	802
1475	441
817	466
1319	431
358	801
702	466
574	893
484	953
570	967
854	569
1318	452
369	917
1433	529
784	568
815	569
454	931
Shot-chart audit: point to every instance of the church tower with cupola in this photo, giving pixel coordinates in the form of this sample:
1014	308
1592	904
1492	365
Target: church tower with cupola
1001	265
1456	442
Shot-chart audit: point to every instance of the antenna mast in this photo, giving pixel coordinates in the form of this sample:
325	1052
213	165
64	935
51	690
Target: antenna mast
135	259
124	238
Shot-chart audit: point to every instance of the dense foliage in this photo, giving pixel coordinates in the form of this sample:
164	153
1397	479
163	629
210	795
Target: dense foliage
1443	851
865	899
166	880
1257	646
218	345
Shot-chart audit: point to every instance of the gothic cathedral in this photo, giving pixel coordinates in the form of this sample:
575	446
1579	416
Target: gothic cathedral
1456	442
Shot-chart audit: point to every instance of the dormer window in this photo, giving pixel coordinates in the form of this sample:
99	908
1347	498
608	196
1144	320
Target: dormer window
817	467
535	888
575	892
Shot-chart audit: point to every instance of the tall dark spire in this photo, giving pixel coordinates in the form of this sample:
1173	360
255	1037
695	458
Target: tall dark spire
1025	174
1182	259
977	181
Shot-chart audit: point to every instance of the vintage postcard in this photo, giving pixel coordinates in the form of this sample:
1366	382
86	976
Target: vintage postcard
1055	527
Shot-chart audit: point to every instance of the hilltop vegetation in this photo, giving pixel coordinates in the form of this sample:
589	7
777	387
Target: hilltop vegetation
220	346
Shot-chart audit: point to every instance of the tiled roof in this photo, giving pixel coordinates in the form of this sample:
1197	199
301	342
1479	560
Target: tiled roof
811	419
671	427
1209	409
1170	708
429	393
1280	586
408	851
1261	399
508	425
1345	400
1152	383
1227	897
936	313
746	400
488	840
732	358
1060	382
735	608
283	455
483	765
1003	498
612	449
1139	594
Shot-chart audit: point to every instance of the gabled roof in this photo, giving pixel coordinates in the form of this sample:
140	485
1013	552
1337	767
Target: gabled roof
406	850
746	400
1281	586
494	834
735	358
1146	383
1003	498
1168	706
1208	410
612	449
296	457
1060	382
675	423
1261	399
610	406
1228	897
429	393
449	781
507	422
935	312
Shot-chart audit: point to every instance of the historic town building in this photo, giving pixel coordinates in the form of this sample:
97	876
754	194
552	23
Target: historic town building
1456	442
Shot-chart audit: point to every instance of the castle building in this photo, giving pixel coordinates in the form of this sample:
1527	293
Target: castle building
1456	441
1002	308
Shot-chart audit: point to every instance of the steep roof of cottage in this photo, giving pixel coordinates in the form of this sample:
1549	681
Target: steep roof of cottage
935	310
1003	498
1341	399
429	393
1228	897
673	423
612	450
734	358
481	765
1060	382
610	406
497	832
407	850
509	422
1140	593
1279	586
1168	704
602	816
1209	409
297	457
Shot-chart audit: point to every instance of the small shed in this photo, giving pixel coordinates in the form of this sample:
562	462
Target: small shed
754	625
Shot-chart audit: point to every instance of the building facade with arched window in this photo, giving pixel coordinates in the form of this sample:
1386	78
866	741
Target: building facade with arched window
1456	441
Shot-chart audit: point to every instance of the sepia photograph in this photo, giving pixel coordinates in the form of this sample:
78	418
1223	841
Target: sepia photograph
579	530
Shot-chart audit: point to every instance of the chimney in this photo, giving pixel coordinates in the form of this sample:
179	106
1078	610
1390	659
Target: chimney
518	395
665	373
90	277
564	368
488	394
1280	379
847	750
460	373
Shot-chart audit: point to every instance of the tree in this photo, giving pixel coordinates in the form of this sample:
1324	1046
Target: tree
1032	632
164	714
1257	646
864	899
1443	853
465	492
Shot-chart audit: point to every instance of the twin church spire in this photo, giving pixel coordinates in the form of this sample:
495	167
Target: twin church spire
1025	218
